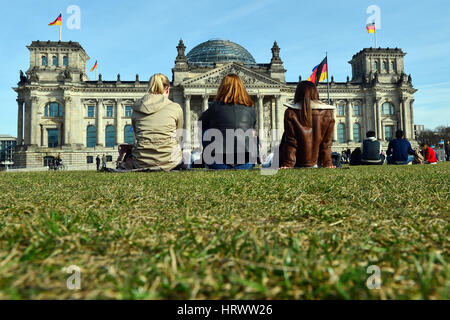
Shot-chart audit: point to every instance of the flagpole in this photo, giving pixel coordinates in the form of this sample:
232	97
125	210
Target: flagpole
328	82
375	37
60	27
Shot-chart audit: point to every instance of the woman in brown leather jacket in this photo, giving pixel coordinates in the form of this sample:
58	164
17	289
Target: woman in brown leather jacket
308	130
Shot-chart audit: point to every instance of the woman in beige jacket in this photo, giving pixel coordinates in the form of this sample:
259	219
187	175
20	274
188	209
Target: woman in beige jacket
155	121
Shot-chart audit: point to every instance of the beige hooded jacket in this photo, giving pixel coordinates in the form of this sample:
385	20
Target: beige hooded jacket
156	120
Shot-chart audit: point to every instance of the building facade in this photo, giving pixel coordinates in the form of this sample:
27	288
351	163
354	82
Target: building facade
7	146
61	111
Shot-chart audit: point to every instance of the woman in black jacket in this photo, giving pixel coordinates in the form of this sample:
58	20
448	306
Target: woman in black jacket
228	125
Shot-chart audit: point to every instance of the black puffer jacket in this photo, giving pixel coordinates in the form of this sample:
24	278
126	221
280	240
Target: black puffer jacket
227	116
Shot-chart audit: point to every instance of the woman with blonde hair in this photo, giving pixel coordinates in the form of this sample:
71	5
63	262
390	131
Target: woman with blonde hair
233	116
155	121
308	130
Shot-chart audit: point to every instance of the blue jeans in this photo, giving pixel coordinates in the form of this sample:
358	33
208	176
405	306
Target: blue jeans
245	166
391	161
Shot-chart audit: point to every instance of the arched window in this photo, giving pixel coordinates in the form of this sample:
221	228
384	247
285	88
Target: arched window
356	132
128	134
388	109
53	109
341	133
375	65
384	65
55	61
110	137
91	136
393	67
66	61
44	61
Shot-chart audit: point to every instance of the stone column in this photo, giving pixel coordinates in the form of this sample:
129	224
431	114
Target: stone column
380	133
187	121
119	122
401	115
411	127
67	140
279	116
20	122
335	136
100	127
349	122
260	112
33	132
205	102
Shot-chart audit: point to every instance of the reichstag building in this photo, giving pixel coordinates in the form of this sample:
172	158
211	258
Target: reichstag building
60	110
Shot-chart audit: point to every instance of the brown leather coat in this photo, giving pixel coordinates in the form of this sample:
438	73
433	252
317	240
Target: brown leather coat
305	147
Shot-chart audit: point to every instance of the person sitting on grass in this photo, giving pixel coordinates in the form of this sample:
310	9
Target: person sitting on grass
155	121
399	150
371	150
231	112
429	153
309	126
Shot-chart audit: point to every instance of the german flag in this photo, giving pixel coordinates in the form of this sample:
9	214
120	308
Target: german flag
94	67
370	28
320	72
57	22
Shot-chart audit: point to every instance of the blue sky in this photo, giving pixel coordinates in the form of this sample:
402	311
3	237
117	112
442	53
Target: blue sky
130	37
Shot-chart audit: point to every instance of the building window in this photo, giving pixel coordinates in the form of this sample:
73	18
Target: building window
44	61
356	132
109	111
53	110
109	158
341	111
341	133
110	137
384	65
356	110
55	61
91	136
128	111
375	65
389	132
52	138
66	61
128	134
89	159
91	111
393	67
388	109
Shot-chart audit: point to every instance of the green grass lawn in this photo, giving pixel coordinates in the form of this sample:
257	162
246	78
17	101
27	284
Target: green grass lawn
301	234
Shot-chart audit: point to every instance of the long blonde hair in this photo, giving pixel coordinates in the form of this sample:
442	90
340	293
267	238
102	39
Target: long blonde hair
232	91
158	84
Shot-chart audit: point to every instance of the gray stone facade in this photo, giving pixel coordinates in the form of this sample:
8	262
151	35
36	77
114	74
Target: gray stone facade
378	97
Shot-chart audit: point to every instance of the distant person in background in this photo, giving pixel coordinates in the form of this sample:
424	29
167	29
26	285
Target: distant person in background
355	157
104	161
371	154
429	153
447	151
97	162
399	150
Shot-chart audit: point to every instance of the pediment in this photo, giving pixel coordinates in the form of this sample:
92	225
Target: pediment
214	77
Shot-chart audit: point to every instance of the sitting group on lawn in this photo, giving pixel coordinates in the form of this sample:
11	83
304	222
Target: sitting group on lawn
306	142
399	152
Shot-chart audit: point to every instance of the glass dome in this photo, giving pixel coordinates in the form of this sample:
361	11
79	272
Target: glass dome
212	51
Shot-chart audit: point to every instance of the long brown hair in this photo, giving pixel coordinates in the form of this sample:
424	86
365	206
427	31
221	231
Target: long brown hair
306	91
232	91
